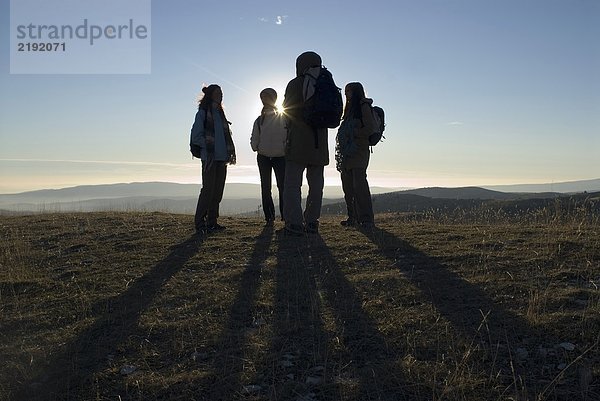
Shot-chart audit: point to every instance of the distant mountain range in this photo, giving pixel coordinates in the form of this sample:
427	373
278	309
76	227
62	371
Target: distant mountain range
152	189
144	196
476	193
245	198
561	187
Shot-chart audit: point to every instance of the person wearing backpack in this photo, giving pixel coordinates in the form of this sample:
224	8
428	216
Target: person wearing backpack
268	140
307	148
211	141
352	155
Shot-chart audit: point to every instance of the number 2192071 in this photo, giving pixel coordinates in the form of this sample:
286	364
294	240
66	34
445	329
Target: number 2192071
41	47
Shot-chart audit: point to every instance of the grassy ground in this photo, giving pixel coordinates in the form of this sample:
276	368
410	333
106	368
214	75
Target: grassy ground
132	306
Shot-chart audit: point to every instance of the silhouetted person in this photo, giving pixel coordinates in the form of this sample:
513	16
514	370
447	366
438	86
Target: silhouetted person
352	149
268	140
211	132
306	150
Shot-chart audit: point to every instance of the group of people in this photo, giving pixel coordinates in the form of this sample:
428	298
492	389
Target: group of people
288	146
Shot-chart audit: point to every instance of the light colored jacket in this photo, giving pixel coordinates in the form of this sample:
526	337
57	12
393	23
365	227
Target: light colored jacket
222	148
269	135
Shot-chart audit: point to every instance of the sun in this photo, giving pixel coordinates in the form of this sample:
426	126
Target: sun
279	102
279	107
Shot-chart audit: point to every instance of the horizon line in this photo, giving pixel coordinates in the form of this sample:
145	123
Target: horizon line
306	185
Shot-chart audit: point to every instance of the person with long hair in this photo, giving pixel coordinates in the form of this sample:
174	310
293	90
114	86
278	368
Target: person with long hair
211	133
268	140
352	155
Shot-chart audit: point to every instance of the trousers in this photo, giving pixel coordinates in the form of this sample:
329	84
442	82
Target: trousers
211	194
292	193
266	166
357	195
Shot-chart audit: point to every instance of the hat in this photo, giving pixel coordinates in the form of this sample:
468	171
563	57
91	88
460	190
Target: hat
307	60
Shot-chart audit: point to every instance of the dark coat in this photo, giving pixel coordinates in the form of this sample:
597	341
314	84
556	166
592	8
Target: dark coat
363	129
305	145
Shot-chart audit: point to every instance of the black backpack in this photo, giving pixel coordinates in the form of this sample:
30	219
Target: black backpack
324	108
379	117
196	149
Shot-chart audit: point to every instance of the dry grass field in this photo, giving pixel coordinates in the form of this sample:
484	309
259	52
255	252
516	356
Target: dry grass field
133	306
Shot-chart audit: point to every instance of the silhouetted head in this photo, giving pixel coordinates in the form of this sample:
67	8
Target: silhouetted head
354	92
211	94
268	97
307	60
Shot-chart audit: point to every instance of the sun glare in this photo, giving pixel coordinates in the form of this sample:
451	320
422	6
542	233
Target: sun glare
279	102
254	112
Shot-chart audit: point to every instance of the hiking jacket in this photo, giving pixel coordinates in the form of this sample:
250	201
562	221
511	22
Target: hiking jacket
213	125
305	145
362	130
269	134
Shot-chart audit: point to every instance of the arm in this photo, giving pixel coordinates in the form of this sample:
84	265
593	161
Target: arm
292	101
255	137
197	134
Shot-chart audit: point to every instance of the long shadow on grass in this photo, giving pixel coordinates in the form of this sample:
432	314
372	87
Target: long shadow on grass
368	362
70	372
466	306
225	382
296	363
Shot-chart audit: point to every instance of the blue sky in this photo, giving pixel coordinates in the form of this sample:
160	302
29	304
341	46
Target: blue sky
476	92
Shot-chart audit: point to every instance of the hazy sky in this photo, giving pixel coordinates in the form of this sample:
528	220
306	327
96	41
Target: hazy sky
476	92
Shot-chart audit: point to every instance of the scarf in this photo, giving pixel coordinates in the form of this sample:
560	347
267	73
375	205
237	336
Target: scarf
209	132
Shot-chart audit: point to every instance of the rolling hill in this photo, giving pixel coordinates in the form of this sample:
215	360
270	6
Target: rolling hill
245	198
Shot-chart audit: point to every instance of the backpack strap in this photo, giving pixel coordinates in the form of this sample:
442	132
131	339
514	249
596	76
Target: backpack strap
309	81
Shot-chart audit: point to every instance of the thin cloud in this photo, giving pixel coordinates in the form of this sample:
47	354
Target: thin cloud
279	19
220	78
239	169
111	162
455	123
